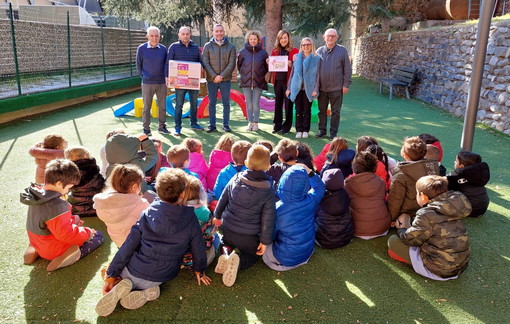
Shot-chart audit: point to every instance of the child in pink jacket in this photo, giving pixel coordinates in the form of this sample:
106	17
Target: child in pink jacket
51	148
197	162
220	157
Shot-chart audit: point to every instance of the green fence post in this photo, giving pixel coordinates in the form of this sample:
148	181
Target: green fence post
102	47
69	49
130	48
14	51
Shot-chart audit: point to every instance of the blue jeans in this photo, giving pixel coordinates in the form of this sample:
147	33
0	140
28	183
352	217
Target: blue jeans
252	103
212	90
179	102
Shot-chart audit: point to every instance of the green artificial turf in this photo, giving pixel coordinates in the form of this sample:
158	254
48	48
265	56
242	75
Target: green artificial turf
355	284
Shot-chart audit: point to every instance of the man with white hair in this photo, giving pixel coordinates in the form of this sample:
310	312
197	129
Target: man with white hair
335	78
184	50
150	63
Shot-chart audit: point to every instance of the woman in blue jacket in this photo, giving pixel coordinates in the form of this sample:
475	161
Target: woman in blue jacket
300	191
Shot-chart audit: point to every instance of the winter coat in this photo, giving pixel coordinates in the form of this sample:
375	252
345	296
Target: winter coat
91	183
123	149
251	63
471	181
119	212
321	158
224	177
304	75
368	208
247	205
219	59
343	162
198	165
217	161
333	222
157	243
440	233
294	233
276	172
402	196
290	54
383	174
42	157
50	224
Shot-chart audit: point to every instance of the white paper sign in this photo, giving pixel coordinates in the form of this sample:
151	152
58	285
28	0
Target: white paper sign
184	75
278	63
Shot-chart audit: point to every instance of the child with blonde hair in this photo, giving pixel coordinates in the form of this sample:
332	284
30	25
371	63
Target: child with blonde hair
220	157
120	206
197	162
51	148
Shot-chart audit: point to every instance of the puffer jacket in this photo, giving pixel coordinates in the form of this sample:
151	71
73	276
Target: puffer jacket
91	183
251	63
402	196
42	157
343	162
157	243
294	234
219	59
217	161
333	222
440	233
224	177
119	212
471	181
198	165
367	192
247	205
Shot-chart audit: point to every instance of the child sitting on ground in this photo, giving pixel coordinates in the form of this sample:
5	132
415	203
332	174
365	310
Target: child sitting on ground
287	155
300	191
247	208
431	139
305	155
433	153
51	148
402	199
54	233
162	162
470	177
197	162
270	146
178	158
239	152
102	151
364	142
220	157
339	156
120	206
91	182
367	193
437	243
153	251
333	222
382	169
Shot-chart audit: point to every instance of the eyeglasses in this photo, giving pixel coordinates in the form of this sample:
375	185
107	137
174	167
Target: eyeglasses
331	36
303	45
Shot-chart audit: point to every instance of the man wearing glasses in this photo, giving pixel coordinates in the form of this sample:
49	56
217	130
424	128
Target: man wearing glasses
335	78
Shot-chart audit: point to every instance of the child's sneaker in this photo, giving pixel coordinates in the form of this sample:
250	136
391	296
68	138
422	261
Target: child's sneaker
138	298
231	268
30	255
70	256
255	127
108	302
221	265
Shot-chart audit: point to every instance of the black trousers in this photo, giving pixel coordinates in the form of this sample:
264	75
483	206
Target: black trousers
246	244
280	87
303	112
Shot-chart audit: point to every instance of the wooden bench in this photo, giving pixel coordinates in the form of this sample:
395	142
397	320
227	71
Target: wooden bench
401	76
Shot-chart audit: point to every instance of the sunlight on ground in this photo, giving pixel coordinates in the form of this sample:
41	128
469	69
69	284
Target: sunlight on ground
356	291
282	286
252	317
505	257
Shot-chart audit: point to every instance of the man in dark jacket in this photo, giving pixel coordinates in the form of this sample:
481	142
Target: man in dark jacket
219	60
184	50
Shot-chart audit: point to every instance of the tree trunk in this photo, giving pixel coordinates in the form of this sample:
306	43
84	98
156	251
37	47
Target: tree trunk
273	21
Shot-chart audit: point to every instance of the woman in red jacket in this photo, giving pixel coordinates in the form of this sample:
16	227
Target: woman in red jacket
282	46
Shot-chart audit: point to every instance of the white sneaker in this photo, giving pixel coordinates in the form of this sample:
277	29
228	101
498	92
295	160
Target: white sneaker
255	127
230	274
106	305
221	265
138	298
305	135
249	127
299	135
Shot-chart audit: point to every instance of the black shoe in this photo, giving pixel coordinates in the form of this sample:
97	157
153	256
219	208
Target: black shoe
163	130
210	130
276	131
285	131
331	137
320	135
147	132
227	129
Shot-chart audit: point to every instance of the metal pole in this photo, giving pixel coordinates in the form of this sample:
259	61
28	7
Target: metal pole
130	48
475	84
14	51
102	47
69	49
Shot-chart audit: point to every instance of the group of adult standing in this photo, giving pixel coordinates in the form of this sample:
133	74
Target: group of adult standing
324	73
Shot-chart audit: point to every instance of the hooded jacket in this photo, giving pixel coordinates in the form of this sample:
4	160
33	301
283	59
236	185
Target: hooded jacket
119	212
247	205
219	59
471	181
251	63
224	177
333	222
217	161
343	162
440	233
50	225
158	241
402	196
91	183
294	234
123	149
367	192
198	165
42	157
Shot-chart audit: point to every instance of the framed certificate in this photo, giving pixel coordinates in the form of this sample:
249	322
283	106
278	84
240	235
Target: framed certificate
278	63
184	75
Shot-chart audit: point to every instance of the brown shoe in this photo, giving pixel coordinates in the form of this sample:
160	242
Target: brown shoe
30	255
70	256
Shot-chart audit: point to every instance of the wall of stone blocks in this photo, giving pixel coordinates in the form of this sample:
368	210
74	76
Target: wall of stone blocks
444	58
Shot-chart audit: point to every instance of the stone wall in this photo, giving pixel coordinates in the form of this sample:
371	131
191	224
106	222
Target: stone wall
444	58
43	47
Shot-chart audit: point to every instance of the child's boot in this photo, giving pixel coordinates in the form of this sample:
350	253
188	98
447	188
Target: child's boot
70	256
108	302
30	255
231	268
138	298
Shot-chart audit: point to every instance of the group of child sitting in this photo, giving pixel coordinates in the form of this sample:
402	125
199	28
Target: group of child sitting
163	211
